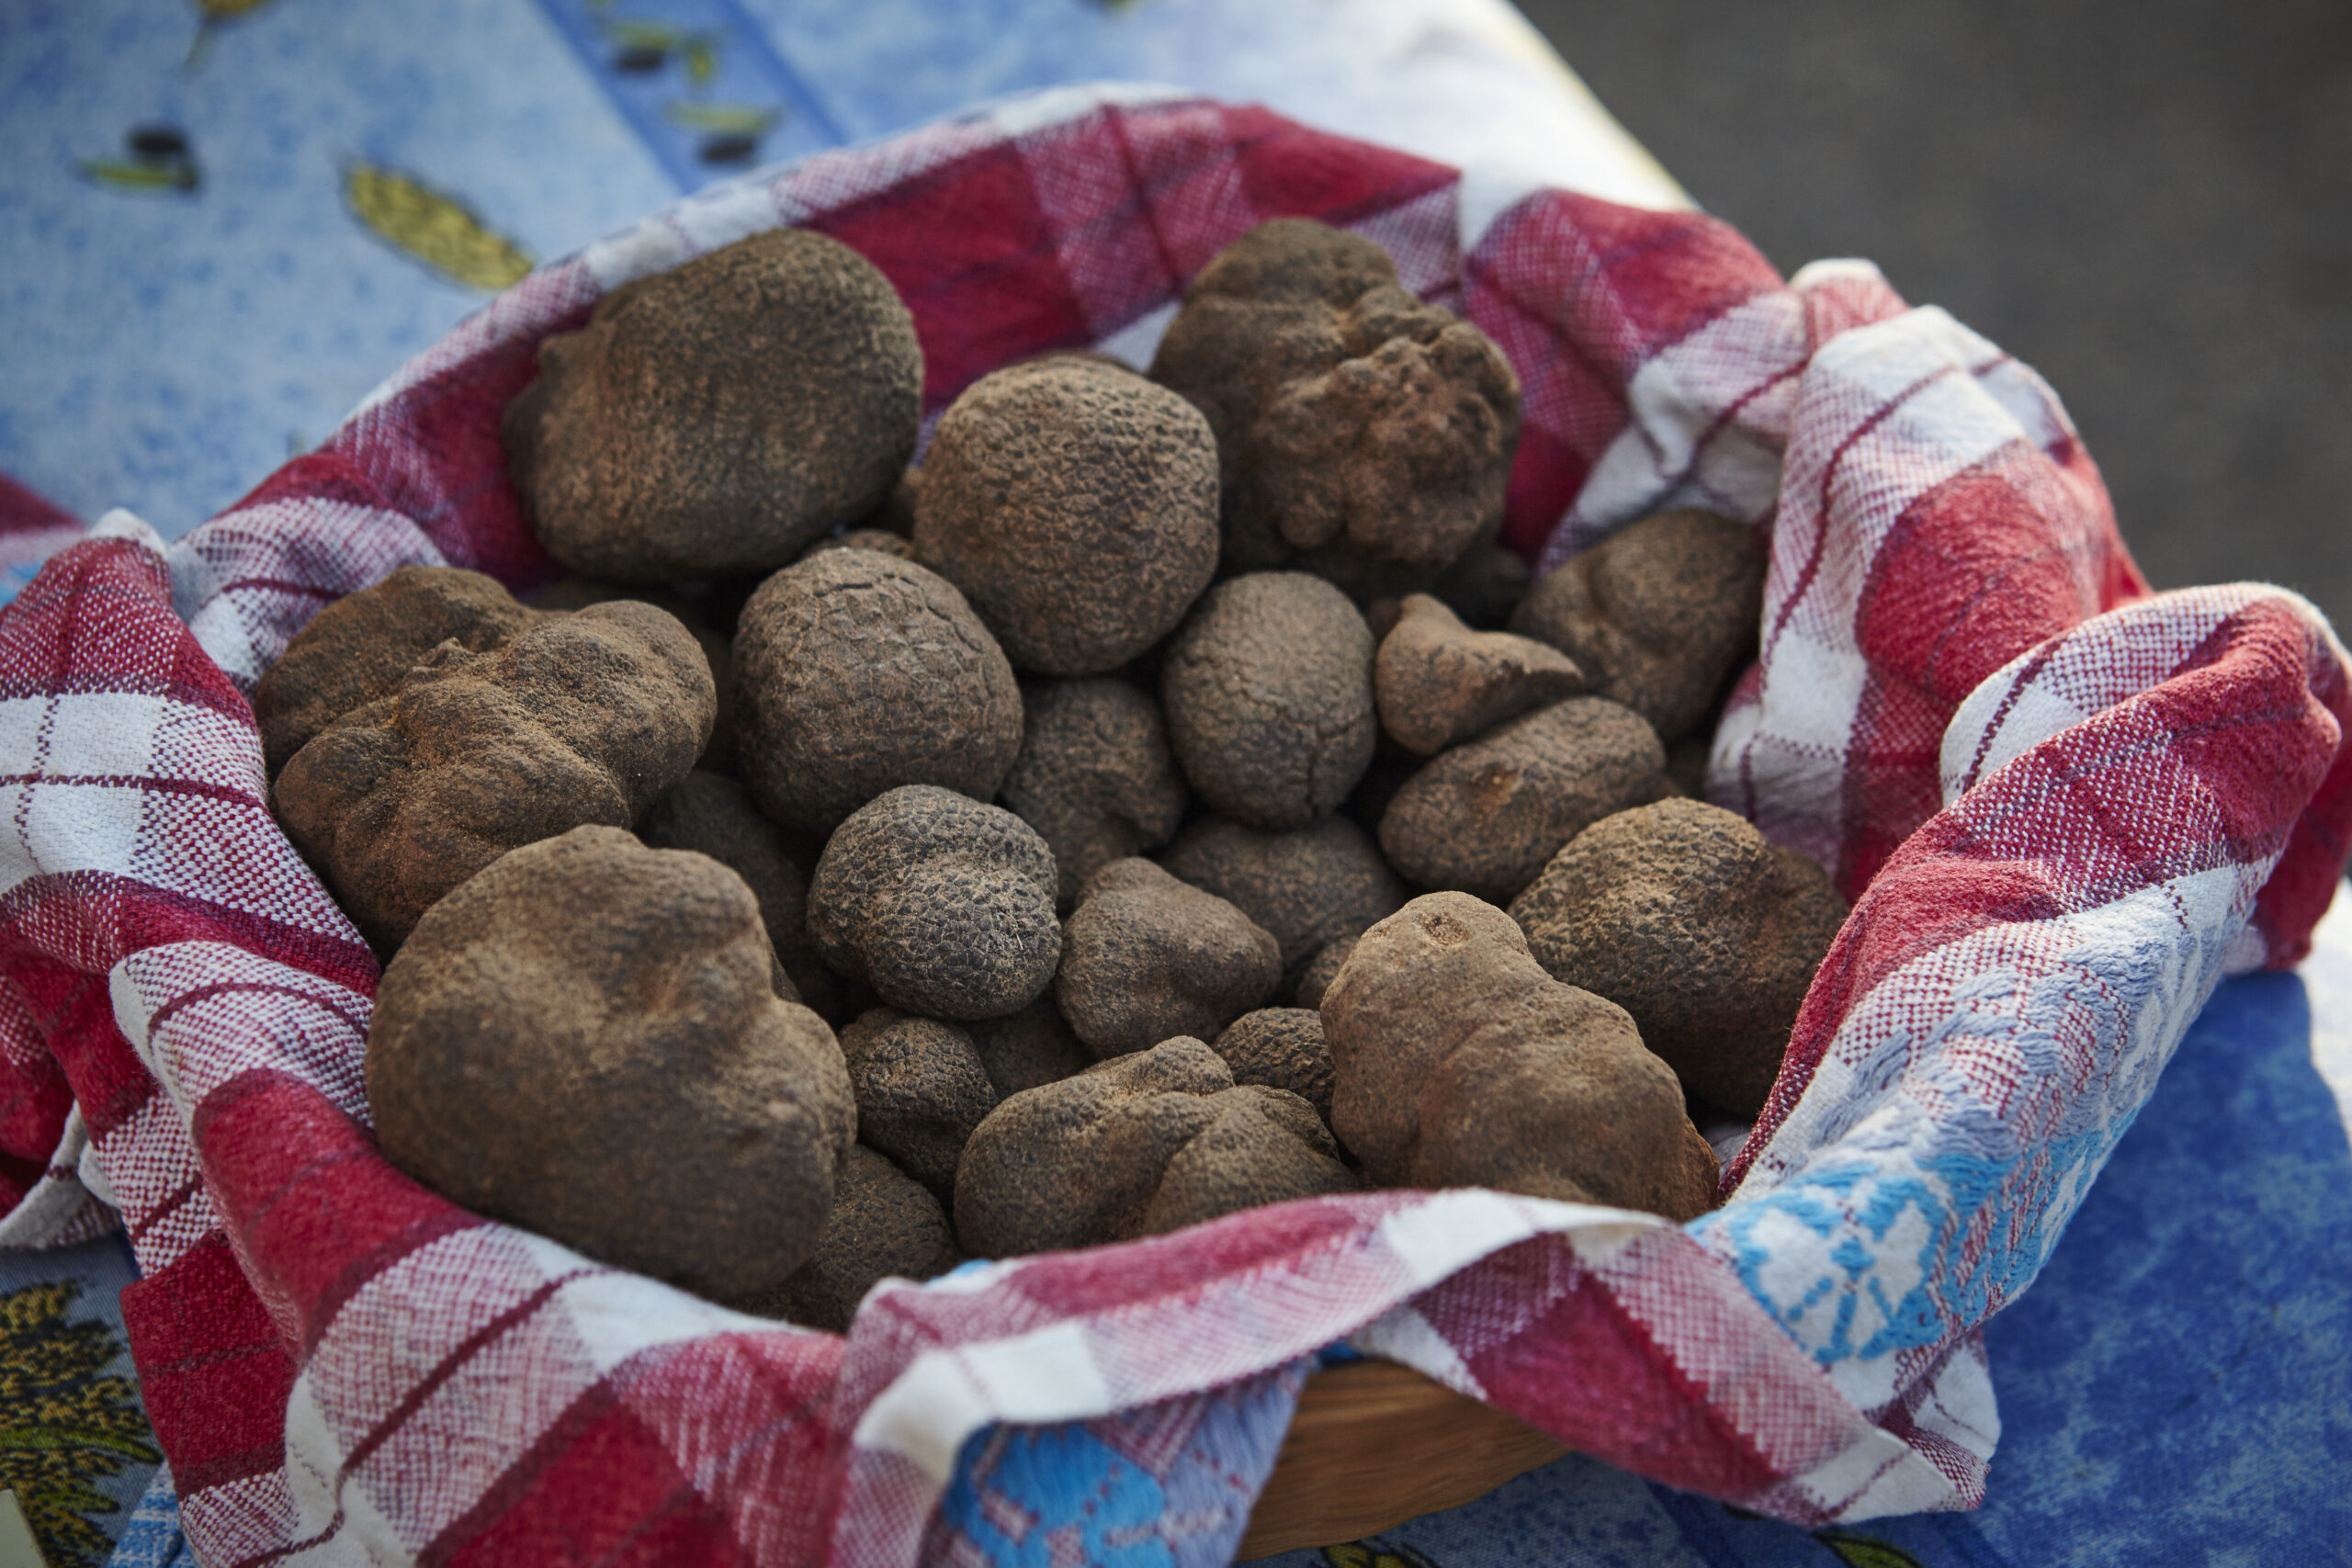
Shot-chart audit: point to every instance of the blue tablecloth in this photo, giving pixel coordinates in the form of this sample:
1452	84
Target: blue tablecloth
225	221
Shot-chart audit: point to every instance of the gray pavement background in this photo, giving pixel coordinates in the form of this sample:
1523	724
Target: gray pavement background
2151	203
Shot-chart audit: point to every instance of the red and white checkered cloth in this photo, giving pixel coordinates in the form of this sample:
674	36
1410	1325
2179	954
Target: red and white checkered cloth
2068	807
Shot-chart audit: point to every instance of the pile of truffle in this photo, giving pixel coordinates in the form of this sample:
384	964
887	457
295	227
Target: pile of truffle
856	867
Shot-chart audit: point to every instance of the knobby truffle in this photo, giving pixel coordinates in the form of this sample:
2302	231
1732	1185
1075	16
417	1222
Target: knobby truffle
1075	503
583	1040
713	815
1281	1048
1457	1062
860	672
1438	682
1268	695
1308	885
1354	423
1145	956
358	649
1142	1143
578	592
1657	616
713	419
884	1225
1693	921
580	718
944	906
1485	816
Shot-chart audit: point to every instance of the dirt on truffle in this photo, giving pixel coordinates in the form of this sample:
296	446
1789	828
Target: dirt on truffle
715	418
1267	697
1352	422
713	815
1095	776
1281	1048
582	1039
1308	885
577	593
1657	617
1483	818
860	672
884	1225
1438	684
580	718
920	1089
1693	921
1457	1062
1146	957
944	905
1145	1143
1075	503
356	650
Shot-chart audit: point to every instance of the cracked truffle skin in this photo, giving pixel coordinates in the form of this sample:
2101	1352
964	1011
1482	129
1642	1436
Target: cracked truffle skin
920	1089
713	815
581	718
1308	885
1438	682
582	1039
1145	956
1483	818
858	672
943	904
356	651
1657	615
1095	776
1075	504
1351	419
1693	921
1267	697
1281	1048
713	419
1457	1062
1145	1143
884	1225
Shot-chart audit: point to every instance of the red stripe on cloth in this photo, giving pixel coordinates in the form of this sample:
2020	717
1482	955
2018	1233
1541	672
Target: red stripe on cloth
320	1211
2214	764
36	1096
2310	873
98	917
23	511
213	1372
98	617
598	1487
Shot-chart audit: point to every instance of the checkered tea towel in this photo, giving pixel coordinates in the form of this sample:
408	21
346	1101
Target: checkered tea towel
2067	809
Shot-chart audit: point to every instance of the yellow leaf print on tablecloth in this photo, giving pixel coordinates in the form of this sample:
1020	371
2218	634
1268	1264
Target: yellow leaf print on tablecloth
438	230
62	1425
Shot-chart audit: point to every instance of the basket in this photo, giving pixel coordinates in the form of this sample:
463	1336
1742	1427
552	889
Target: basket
2067	807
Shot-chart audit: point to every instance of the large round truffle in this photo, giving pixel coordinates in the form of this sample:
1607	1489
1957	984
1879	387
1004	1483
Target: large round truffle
1351	419
1075	504
1457	1062
582	1039
1691	920
713	815
358	649
1145	1143
944	905
579	718
1268	694
920	1089
713	419
884	1225
1307	885
1145	956
1094	777
859	672
1657	615
1483	817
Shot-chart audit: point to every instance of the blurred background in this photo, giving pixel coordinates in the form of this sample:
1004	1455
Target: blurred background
2150	203
223	222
